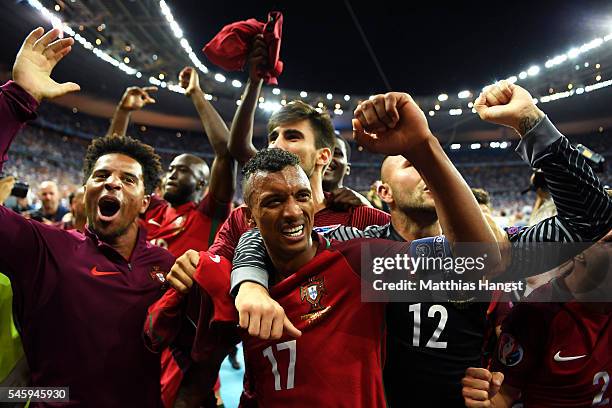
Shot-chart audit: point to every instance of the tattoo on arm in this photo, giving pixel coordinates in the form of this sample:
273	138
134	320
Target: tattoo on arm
528	122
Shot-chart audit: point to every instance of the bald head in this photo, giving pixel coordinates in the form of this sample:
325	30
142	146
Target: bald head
186	179
49	196
388	165
198	165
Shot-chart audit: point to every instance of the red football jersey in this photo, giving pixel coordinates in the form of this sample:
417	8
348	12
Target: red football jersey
557	354
189	226
337	362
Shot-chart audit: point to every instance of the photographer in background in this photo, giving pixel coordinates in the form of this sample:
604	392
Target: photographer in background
52	211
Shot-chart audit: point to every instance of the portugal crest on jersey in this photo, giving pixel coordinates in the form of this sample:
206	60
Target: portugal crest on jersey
509	353
312	291
157	275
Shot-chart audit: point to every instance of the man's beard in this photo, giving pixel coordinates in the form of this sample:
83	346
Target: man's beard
181	196
418	204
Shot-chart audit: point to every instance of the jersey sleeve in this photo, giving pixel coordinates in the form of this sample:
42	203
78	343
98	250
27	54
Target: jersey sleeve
250	261
16	107
521	345
164	320
218	315
584	209
229	234
213	209
364	216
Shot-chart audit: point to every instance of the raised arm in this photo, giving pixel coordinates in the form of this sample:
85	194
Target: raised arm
223	171
241	135
394	124
584	209
32	83
18	102
134	98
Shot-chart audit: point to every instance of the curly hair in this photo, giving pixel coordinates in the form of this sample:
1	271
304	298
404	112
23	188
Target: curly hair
266	160
320	122
141	152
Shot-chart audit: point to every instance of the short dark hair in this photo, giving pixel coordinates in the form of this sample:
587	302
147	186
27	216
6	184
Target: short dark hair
268	160
482	196
141	152
296	111
348	147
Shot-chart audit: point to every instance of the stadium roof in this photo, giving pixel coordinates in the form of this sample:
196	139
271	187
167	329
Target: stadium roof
427	50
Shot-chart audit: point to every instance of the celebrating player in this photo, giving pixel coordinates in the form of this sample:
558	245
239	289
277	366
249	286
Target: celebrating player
80	299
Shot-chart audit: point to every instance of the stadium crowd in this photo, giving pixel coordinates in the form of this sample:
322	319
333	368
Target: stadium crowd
138	259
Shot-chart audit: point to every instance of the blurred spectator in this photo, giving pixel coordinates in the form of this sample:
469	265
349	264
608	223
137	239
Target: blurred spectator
51	211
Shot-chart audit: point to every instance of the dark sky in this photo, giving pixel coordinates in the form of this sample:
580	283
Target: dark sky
423	47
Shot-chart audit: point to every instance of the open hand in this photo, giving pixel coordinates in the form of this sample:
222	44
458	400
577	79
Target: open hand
36	59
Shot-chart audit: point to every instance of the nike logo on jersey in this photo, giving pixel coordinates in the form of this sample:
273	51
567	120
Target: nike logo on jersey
570	358
215	259
95	272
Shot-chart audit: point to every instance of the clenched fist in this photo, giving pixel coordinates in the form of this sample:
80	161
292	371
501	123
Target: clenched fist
390	124
180	276
480	386
190	81
509	105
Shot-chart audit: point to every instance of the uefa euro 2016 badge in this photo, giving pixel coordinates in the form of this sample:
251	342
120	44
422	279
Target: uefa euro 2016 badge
510	353
157	275
312	291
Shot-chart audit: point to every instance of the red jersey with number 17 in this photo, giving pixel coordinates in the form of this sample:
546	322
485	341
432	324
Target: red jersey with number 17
557	354
337	362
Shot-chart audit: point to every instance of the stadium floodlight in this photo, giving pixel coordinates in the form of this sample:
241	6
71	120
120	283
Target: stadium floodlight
338	111
455	112
276	91
431	113
580	91
220	77
442	97
437	107
347	97
455	146
236	83
503	145
464	94
303	94
270	106
512	79
208	97
523	75
475	146
533	70
494	145
329	96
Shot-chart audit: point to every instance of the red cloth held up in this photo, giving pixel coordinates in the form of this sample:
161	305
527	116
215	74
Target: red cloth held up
230	47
